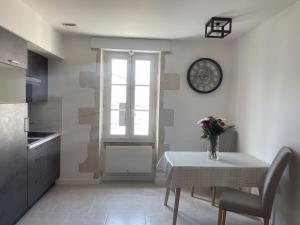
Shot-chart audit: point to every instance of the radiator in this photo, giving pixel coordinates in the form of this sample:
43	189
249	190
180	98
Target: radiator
128	159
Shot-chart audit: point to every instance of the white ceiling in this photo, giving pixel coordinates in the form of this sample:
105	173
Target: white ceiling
162	19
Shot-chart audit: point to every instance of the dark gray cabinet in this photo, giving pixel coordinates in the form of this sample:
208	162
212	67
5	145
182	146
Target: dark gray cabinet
53	160
43	169
37	173
13	50
13	163
36	78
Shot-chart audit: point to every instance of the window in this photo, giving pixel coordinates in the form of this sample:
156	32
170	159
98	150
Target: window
130	95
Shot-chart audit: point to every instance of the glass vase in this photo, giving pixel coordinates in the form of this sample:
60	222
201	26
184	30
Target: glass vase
213	148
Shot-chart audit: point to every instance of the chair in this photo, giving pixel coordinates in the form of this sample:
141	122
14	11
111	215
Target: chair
228	143
260	206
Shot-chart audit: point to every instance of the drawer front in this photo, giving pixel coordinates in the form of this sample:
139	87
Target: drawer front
37	161
54	160
37	173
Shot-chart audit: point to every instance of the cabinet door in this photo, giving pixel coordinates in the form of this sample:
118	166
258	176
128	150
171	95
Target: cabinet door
13	163
37	173
13	50
37	78
53	148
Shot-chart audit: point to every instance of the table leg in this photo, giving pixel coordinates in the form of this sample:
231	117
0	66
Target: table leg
213	196
167	196
260	190
192	192
175	212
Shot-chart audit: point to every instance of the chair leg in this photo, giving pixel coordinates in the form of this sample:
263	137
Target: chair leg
213	196
192	192
266	221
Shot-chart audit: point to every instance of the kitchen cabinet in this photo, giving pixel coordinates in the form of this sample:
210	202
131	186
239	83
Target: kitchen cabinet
37	173
53	154
43	168
36	78
13	50
13	162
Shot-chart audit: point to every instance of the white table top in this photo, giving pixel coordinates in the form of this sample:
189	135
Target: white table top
187	169
200	159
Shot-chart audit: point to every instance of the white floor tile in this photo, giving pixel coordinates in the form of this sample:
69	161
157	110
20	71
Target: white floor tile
122	204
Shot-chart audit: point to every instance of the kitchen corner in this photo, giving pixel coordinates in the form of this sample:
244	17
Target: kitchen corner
30	128
45	125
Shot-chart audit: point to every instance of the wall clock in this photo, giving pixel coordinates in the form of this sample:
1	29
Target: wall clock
204	75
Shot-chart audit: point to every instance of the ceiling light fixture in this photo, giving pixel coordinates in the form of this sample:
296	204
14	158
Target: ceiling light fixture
218	27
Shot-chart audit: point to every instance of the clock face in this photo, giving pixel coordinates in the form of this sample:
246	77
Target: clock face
204	75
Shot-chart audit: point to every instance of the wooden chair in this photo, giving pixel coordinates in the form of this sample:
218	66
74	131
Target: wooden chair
260	206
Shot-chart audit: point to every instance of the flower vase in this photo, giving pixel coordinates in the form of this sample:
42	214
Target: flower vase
213	148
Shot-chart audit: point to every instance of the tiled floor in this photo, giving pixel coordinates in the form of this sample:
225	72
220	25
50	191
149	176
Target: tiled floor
121	204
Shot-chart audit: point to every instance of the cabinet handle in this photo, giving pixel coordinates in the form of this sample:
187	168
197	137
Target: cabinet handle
13	61
26	124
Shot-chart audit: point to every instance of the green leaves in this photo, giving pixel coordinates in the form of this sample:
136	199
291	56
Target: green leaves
204	135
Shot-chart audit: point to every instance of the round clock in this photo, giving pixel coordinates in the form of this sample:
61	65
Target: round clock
204	75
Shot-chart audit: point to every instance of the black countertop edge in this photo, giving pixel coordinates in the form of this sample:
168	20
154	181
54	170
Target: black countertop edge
43	140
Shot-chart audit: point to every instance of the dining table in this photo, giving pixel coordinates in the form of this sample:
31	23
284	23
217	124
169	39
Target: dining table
189	169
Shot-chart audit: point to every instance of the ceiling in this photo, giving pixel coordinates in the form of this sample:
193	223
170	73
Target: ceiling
159	19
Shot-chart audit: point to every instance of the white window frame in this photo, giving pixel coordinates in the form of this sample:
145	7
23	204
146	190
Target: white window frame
131	57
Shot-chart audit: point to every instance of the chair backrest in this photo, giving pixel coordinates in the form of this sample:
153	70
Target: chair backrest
273	177
228	141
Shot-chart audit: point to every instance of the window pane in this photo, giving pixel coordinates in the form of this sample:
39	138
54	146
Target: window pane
115	128
118	96
142	97
141	123
119	71
142	72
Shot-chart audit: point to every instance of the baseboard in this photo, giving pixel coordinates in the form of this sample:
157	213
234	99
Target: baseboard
159	179
77	181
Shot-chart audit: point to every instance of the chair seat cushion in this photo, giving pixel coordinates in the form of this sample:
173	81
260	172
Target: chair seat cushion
241	202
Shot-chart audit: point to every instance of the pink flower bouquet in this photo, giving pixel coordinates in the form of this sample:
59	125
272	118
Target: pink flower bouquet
212	128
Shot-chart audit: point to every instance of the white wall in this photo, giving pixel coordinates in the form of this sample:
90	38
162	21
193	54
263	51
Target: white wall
20	19
190	106
64	82
265	100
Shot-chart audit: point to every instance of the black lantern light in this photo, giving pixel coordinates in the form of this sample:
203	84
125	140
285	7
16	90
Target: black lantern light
218	27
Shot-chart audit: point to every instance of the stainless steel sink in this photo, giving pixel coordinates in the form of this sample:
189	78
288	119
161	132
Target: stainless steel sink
38	138
31	140
39	134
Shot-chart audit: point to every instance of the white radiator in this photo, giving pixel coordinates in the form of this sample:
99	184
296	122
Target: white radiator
128	159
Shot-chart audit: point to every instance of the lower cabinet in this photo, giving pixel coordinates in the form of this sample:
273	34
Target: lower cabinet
53	160
43	168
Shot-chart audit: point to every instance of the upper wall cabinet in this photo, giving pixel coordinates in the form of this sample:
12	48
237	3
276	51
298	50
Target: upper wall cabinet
13	50
37	78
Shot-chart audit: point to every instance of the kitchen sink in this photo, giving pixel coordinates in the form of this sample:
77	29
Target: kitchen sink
39	134
31	140
38	138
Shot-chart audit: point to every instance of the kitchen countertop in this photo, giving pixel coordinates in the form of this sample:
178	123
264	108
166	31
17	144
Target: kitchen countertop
43	140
